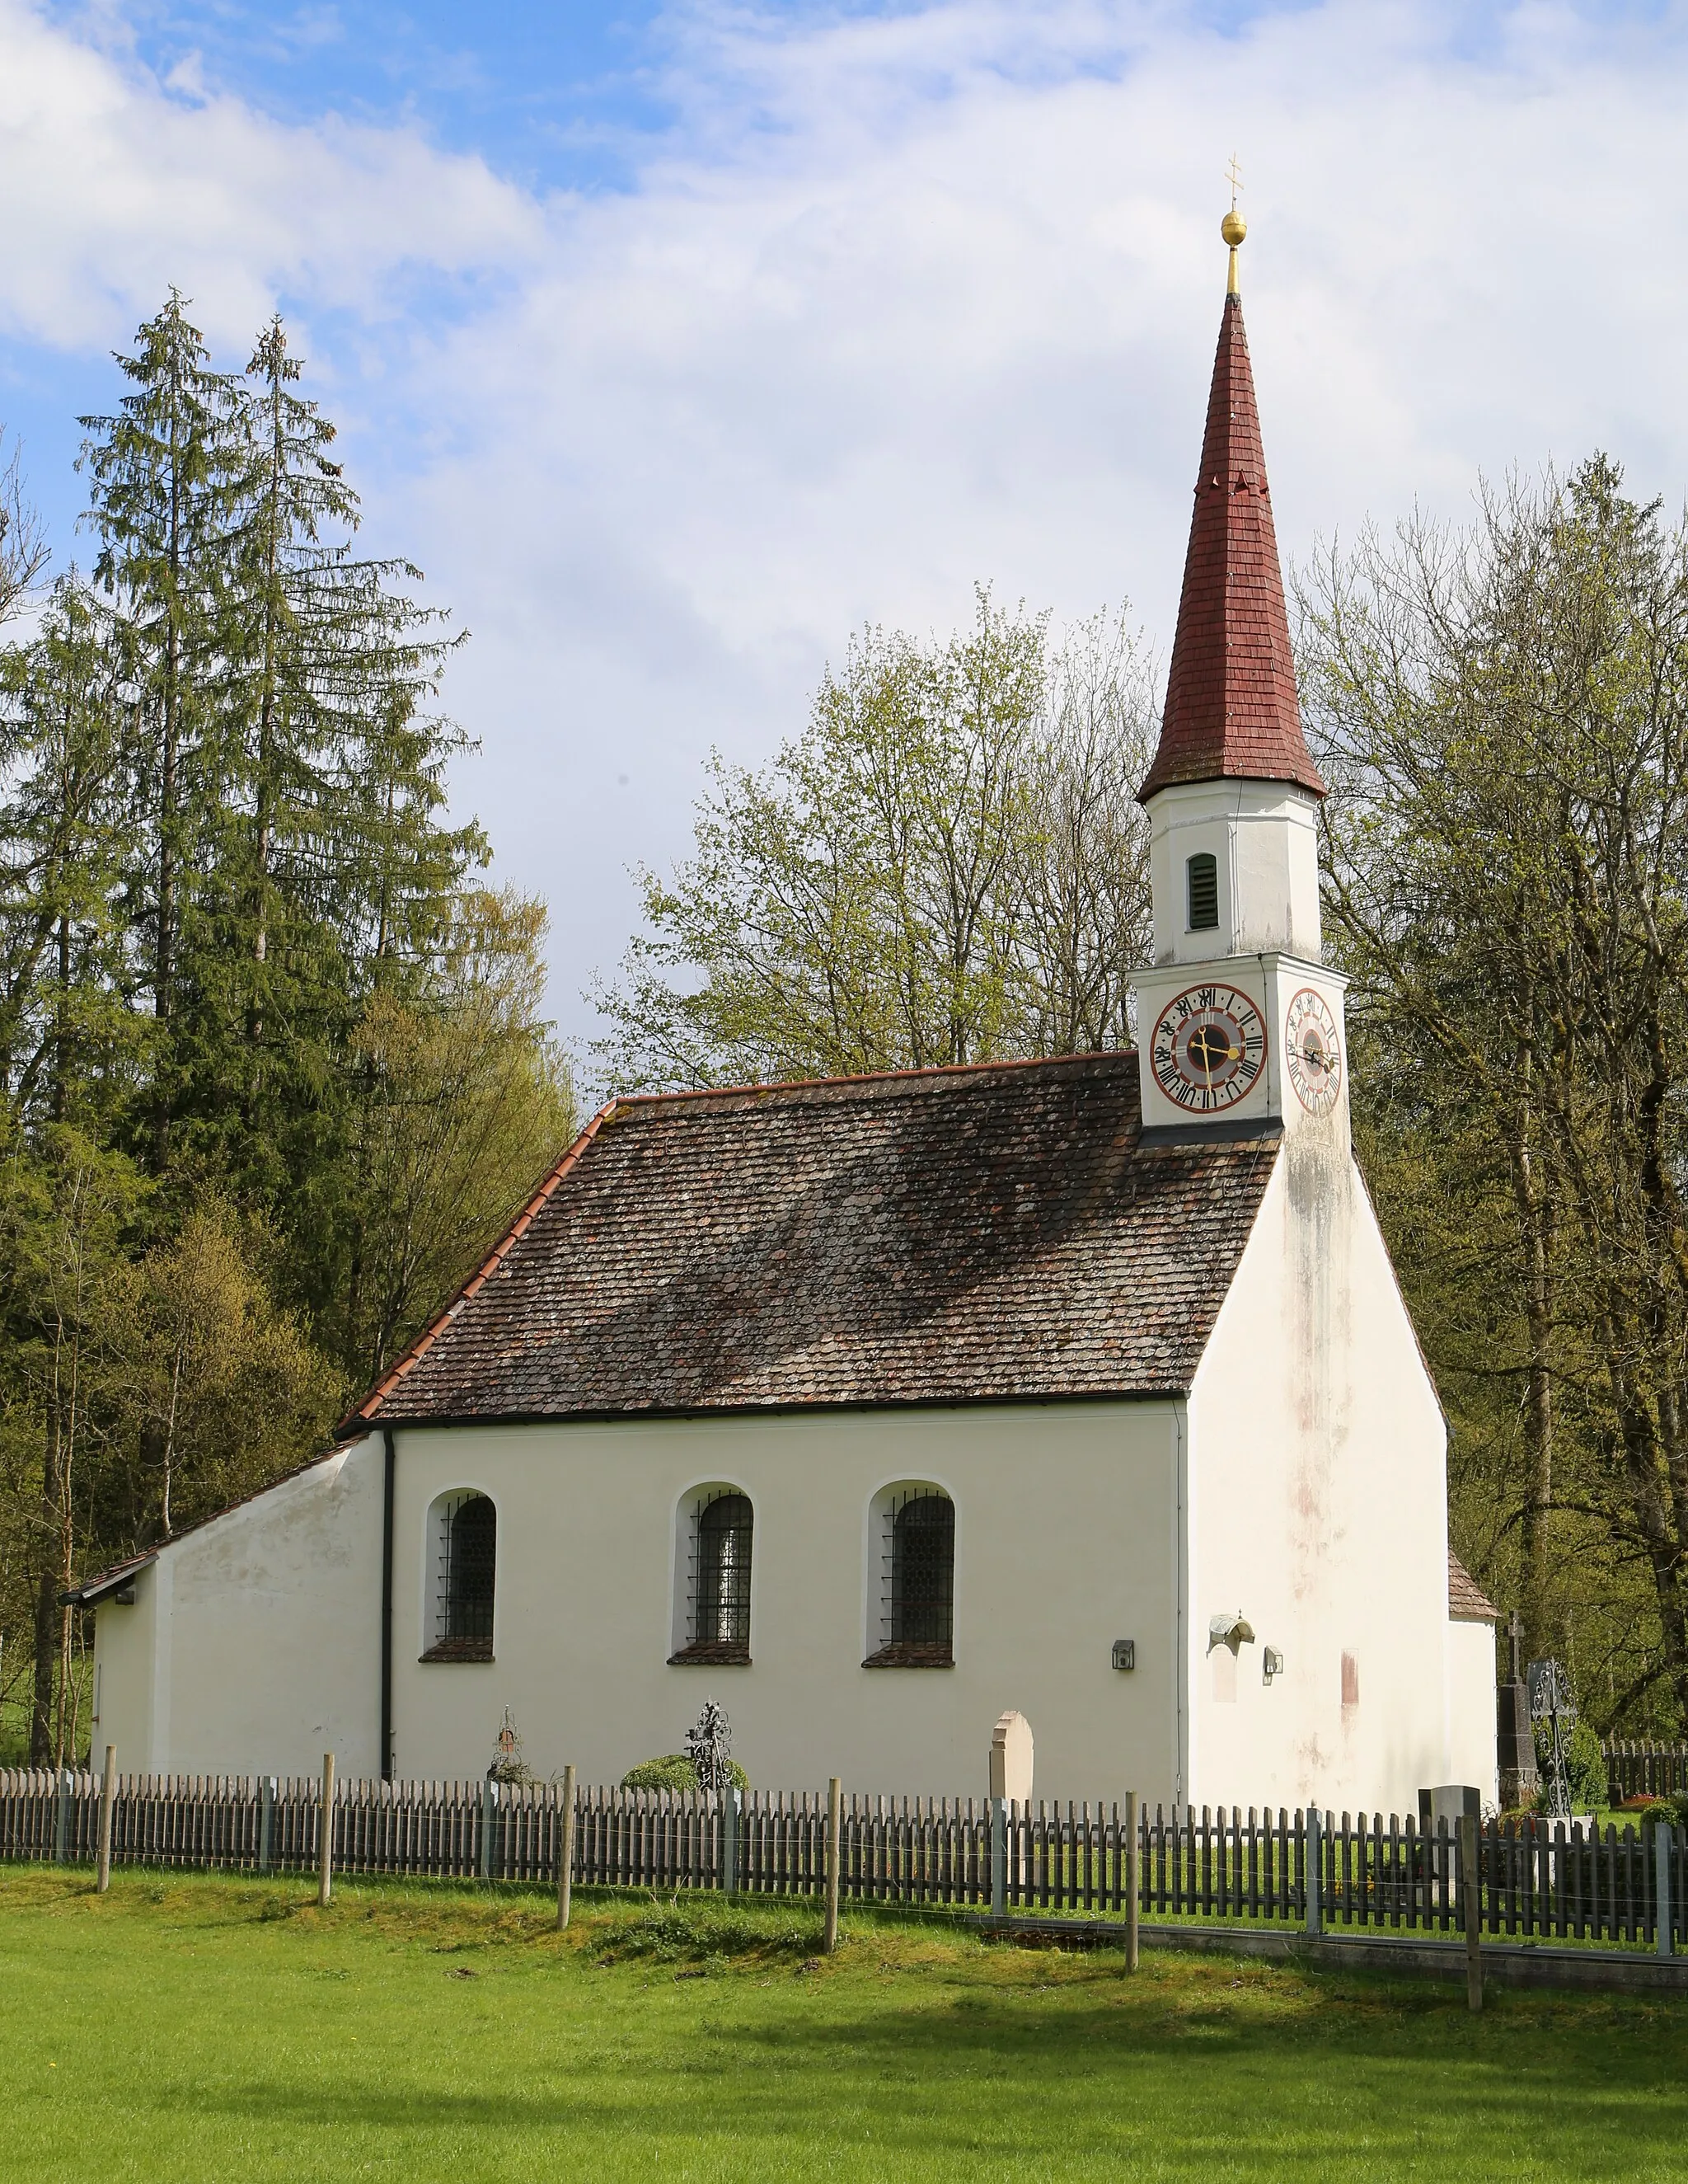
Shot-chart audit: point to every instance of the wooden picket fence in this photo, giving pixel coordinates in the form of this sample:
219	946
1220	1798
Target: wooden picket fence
1639	1767
1322	1871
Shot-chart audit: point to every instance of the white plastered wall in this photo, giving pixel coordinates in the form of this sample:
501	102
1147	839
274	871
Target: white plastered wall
254	1642
1064	1542
1263	837
125	1643
1317	1508
1473	1750
254	1645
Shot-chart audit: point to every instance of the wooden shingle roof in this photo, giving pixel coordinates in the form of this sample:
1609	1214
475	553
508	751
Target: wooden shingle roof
940	1236
1231	708
1467	1602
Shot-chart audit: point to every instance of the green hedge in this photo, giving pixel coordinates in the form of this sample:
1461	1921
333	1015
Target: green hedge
674	1771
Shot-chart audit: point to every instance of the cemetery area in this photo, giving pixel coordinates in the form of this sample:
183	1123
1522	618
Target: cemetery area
206	2026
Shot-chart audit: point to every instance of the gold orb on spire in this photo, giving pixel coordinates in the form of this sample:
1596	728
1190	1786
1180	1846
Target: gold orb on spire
1233	227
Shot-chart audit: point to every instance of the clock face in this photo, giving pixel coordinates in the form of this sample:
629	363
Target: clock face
1312	1051
1209	1049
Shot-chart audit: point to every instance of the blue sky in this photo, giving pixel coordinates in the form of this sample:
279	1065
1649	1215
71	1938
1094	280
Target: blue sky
555	97
676	342
548	94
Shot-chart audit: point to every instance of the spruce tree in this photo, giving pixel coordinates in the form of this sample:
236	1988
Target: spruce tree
272	1068
336	872
69	1042
162	473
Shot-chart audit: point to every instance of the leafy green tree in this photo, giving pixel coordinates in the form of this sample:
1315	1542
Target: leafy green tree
65	1212
464	1103
1505	719
946	866
205	1375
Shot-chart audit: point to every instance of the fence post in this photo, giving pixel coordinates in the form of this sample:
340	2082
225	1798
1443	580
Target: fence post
325	1834
1133	1879
266	1822
835	1831
61	1818
1664	1842
729	1839
108	1798
1474	1912
999	1857
565	1851
1315	1874
489	1806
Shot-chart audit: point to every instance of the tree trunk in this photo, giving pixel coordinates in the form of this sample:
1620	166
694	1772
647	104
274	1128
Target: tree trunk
1534	1219
47	1588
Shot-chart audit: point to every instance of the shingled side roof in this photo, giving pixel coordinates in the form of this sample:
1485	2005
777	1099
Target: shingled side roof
940	1236
1231	708
1467	1602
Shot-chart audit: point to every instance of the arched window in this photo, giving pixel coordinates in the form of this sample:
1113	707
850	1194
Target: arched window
916	1525
466	1560
1201	876
723	1572
717	1628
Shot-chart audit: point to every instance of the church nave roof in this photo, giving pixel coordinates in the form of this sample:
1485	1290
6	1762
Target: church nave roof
961	1235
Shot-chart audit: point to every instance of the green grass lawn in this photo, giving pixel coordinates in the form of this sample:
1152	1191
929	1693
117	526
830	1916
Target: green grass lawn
217	2028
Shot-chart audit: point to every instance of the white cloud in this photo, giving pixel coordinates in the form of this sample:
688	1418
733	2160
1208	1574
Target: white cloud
896	304
116	185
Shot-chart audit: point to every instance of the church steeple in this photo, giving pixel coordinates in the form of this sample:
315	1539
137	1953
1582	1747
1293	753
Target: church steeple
1231	709
1238	1020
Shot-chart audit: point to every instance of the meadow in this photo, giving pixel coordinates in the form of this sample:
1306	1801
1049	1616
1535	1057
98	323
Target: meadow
198	2027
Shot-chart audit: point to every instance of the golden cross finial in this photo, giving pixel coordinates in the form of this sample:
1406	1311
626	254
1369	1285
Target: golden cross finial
1233	227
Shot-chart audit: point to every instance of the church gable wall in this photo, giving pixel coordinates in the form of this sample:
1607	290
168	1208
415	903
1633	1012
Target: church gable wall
126	1641
254	1644
1317	1511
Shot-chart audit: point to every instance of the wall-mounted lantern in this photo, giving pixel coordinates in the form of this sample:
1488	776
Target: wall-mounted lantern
1124	1653
1272	1663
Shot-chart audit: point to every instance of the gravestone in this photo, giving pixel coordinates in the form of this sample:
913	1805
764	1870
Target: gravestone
1453	1802
1554	1716
1011	1759
1520	1778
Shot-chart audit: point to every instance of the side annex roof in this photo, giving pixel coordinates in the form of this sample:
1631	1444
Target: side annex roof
1467	1602
992	1233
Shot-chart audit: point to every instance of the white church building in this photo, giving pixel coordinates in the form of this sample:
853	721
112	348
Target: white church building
873	1409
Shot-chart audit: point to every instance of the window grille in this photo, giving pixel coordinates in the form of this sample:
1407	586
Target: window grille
469	1558
1203	874
919	1581
718	1581
721	1615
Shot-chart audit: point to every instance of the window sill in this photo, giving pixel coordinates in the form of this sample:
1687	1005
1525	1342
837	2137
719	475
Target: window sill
710	1653
459	1649
911	1656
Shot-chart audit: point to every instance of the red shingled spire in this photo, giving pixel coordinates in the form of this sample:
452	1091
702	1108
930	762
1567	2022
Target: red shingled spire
1231	710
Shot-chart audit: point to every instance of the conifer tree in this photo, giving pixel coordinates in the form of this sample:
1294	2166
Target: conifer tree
163	475
272	1069
69	1044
